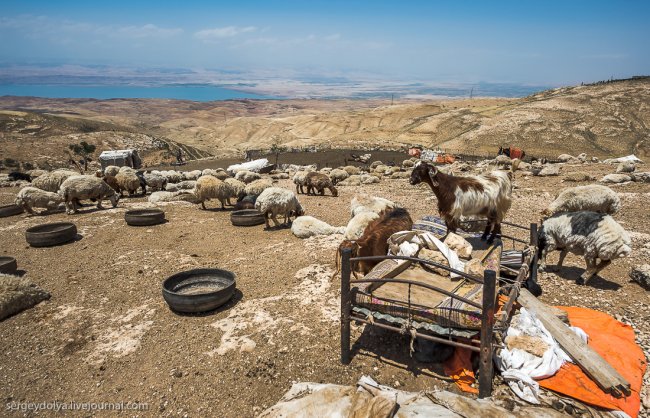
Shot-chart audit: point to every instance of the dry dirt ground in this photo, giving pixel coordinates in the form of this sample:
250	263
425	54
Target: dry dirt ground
106	334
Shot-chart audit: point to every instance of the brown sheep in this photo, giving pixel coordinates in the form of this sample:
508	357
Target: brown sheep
374	240
316	181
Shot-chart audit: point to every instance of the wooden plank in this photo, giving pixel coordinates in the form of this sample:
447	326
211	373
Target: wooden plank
601	372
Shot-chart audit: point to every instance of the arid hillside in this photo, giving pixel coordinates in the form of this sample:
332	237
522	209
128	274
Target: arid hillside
604	120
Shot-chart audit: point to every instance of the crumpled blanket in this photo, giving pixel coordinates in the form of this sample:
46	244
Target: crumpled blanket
520	368
408	243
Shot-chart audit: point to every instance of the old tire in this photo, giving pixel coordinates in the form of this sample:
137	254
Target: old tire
198	290
144	217
10	210
8	265
48	235
247	217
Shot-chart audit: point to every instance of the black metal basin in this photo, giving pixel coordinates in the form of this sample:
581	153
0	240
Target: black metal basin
247	217
144	217
198	290
10	210
48	235
8	265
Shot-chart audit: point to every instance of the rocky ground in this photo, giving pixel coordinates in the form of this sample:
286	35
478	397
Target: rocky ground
106	334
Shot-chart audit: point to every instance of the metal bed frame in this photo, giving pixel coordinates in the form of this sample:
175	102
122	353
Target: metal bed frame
492	328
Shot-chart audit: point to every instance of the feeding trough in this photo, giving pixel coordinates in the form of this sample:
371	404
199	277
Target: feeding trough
144	217
8	265
48	235
198	290
10	210
247	217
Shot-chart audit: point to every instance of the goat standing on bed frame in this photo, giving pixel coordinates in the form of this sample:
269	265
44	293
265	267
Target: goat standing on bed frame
486	195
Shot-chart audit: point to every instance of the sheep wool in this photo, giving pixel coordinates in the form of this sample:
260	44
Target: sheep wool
365	203
358	224
51	182
77	188
308	226
32	197
276	201
593	198
111	170
209	187
128	180
257	187
590	234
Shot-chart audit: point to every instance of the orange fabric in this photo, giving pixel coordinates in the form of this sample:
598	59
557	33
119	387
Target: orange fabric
445	159
611	339
459	368
614	341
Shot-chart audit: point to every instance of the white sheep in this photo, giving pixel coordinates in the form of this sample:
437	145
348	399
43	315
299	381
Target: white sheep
155	181
209	187
247	176
32	197
338	175
51	182
125	169
366	203
257	187
172	176
590	234
77	188
238	188
593	198
179	196
299	180
128	180
276	201
111	170
192	175
356	226
183	185
308	226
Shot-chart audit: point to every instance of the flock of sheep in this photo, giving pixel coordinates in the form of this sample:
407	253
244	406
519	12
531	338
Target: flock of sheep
578	221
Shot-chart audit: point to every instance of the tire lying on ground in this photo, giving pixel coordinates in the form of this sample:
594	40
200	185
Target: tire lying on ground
144	217
8	265
48	235
198	290
247	217
10	210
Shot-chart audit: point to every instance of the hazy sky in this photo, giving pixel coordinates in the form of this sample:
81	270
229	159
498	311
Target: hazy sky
543	42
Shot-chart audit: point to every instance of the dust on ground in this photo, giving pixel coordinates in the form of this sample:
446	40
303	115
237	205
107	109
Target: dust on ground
107	335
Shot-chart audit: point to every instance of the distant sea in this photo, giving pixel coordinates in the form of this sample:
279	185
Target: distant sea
200	93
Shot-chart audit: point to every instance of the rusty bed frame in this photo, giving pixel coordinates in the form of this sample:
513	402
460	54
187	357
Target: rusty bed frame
492	328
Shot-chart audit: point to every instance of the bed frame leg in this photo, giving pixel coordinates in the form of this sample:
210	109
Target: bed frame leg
533	242
487	328
346	305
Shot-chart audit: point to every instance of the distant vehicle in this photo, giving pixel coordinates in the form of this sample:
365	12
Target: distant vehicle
120	158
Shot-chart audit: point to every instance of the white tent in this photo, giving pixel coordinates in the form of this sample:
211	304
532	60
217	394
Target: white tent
120	158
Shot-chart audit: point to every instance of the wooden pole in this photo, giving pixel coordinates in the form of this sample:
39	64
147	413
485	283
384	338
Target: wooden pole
487	327
346	305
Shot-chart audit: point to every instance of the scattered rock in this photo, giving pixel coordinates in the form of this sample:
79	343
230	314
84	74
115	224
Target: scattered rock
641	275
642	177
565	158
549	170
616	178
626	167
578	176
